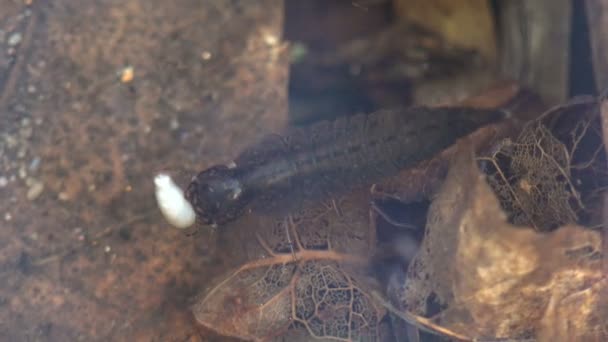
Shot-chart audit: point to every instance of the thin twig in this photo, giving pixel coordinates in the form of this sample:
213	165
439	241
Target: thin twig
420	322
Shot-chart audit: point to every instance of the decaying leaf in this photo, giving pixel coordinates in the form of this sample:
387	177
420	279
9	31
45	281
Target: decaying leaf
304	274
538	191
550	174
496	280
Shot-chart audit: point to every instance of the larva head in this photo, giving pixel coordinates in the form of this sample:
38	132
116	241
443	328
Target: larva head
216	195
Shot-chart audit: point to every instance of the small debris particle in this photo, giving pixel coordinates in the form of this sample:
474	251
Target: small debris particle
174	124
22	172
79	234
125	234
11	141
34	164
20	108
14	39
26	132
298	52
34	236
206	55
127	74
35	190
128	188
107	249
8	216
24	263
63	196
271	39
31	89
22	152
3	182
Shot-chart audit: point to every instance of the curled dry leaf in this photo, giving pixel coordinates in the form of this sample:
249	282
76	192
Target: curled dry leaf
303	274
496	280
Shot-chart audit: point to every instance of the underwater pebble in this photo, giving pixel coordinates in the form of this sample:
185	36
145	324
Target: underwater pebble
35	190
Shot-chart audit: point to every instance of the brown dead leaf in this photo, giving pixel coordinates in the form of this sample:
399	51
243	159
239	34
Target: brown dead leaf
303	274
553	173
497	280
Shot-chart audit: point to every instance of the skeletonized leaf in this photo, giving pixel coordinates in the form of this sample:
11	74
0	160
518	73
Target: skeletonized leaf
303	274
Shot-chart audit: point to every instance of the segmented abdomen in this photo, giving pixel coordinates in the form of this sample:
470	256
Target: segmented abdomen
335	156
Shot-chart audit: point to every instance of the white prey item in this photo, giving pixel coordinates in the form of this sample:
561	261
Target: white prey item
172	203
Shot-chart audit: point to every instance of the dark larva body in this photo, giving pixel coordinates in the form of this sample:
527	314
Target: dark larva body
330	157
